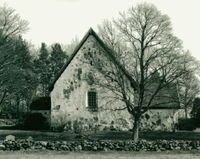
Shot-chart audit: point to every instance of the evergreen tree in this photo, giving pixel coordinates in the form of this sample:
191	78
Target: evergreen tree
58	59
18	79
42	65
48	66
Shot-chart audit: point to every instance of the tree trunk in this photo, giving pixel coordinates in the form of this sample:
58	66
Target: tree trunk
2	98
186	112
18	106
135	133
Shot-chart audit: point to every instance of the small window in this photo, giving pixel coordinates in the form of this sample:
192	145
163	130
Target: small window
92	101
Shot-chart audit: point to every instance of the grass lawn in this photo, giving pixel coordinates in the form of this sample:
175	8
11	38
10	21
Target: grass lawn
109	135
99	155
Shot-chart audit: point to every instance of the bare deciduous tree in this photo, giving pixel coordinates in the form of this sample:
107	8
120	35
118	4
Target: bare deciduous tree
11	23
14	53
144	60
11	26
188	84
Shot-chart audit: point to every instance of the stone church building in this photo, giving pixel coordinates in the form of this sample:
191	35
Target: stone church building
75	100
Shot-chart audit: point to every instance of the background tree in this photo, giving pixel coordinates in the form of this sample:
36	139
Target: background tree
16	77
188	84
47	66
69	48
195	113
58	59
147	47
11	24
42	68
20	74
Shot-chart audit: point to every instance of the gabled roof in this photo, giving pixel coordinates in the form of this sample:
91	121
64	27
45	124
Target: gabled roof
105	47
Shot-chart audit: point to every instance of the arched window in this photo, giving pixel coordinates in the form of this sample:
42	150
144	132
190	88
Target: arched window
92	102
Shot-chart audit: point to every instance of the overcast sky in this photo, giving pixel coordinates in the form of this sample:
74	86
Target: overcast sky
62	20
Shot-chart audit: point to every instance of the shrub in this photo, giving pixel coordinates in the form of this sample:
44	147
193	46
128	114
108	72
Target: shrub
41	103
187	124
36	121
195	113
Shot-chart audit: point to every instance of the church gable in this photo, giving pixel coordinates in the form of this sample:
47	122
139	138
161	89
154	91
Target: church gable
74	74
75	98
73	94
92	40
79	64
73	89
85	40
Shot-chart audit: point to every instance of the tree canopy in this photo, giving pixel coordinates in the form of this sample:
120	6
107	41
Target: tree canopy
144	47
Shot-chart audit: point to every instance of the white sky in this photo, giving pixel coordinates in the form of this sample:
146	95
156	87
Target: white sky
62	20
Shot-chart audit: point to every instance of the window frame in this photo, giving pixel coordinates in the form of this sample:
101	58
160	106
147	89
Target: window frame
89	107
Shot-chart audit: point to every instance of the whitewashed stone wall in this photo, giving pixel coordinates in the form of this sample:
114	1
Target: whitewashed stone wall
68	101
69	98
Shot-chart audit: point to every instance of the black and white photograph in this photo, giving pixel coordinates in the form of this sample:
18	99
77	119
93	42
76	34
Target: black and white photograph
103	79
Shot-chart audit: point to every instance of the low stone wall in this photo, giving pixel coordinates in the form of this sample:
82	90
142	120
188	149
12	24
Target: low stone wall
10	144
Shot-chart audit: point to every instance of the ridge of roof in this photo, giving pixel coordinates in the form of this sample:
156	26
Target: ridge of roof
105	47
